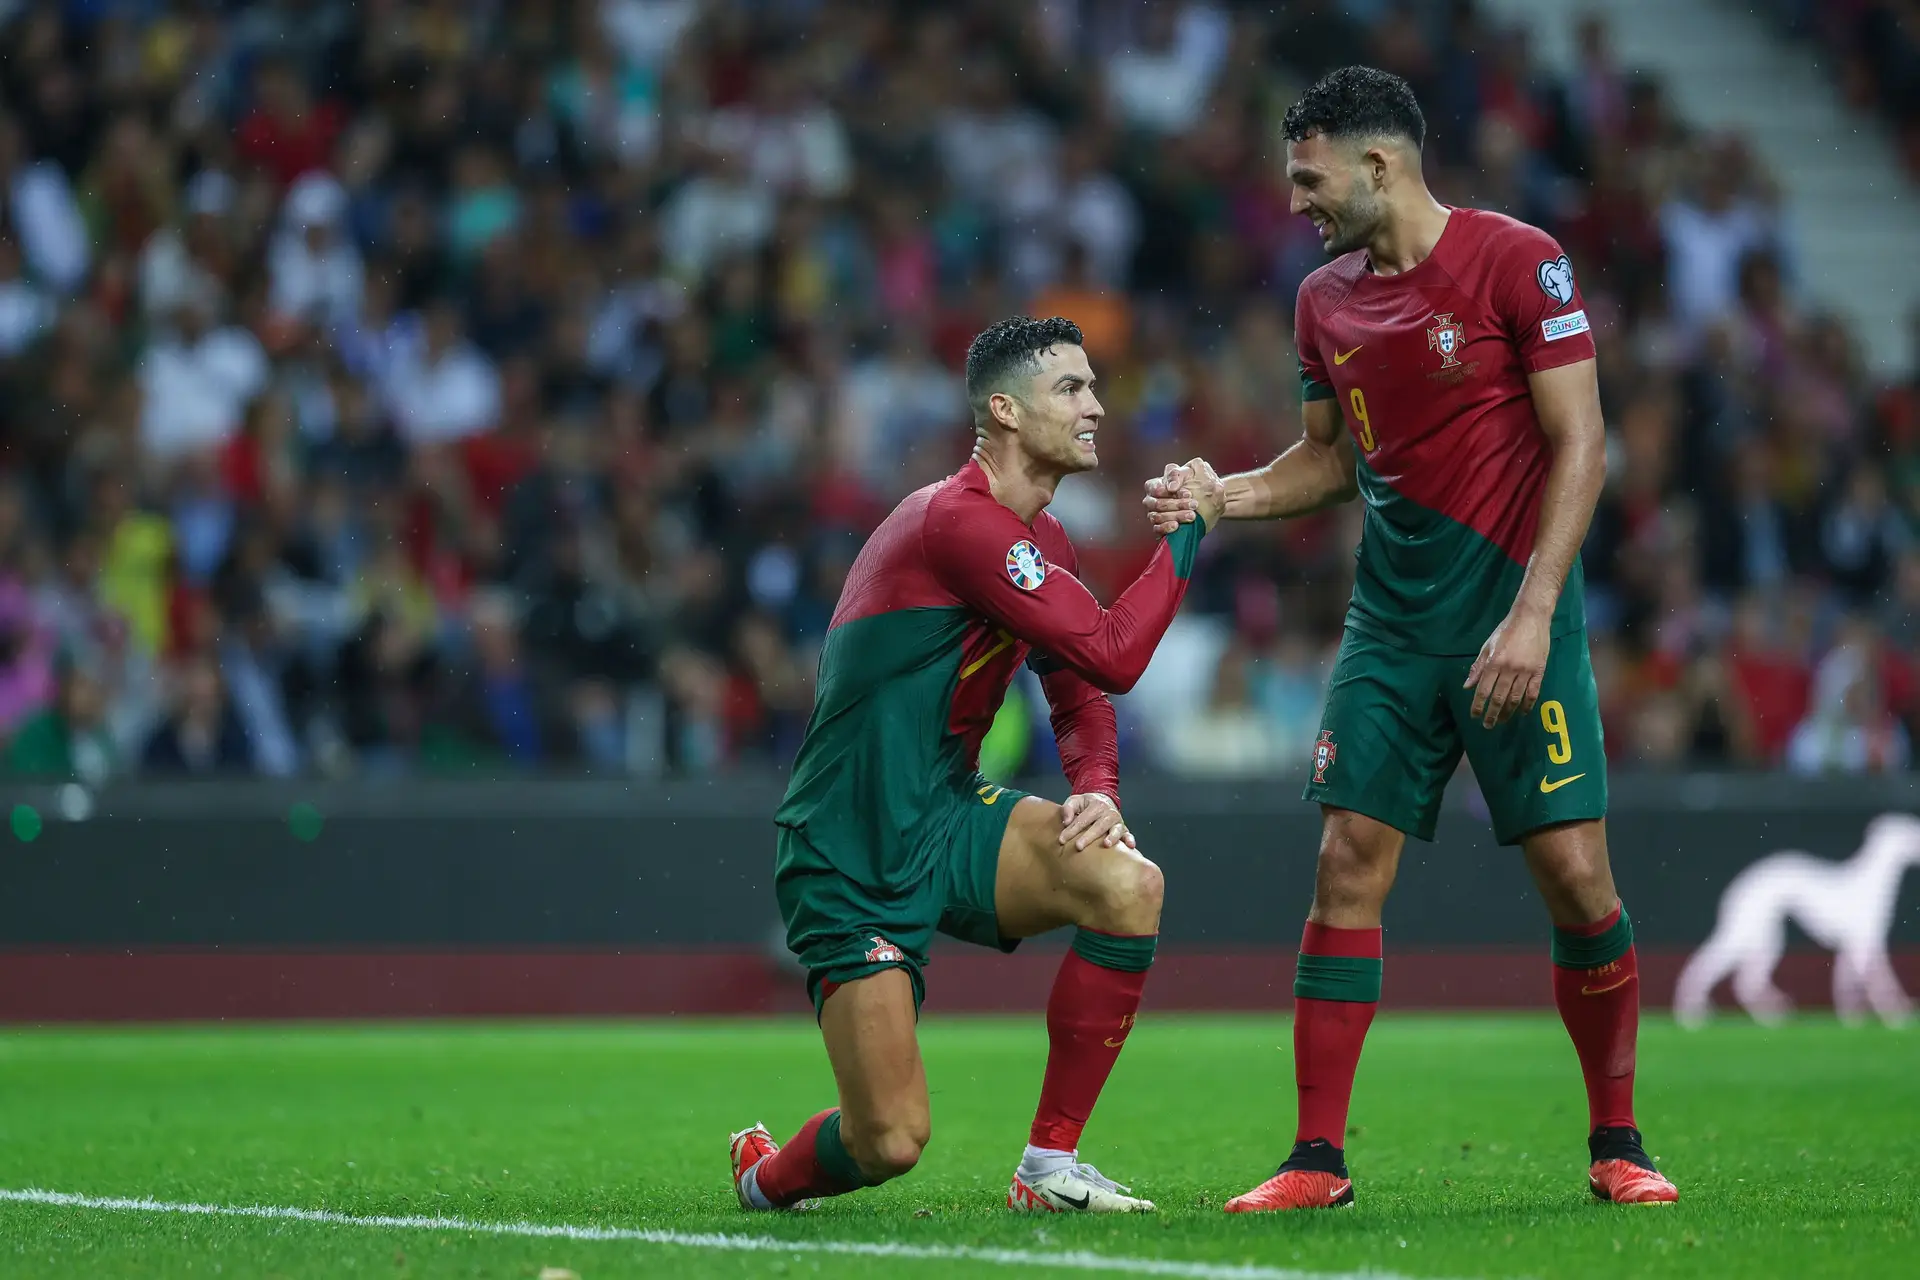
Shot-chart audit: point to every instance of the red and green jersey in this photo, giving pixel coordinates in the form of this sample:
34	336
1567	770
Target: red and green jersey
951	594
1430	368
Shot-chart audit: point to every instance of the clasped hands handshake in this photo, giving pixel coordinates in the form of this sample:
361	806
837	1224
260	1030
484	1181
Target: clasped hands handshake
1182	492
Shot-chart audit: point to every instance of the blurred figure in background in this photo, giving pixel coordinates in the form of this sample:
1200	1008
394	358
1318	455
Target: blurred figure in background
201	737
1849	728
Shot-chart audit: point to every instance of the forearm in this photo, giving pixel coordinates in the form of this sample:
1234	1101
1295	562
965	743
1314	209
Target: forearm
1574	482
1113	653
1086	734
1306	478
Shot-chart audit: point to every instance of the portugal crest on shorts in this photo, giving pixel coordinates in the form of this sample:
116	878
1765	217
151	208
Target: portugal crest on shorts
1026	566
1323	755
884	952
1447	336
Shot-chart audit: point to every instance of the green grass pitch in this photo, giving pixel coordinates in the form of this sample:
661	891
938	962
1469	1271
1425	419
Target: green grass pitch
1797	1151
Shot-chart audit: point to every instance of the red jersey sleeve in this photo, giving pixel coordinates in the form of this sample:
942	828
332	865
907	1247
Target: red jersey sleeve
1315	382
1084	728
982	553
1538	299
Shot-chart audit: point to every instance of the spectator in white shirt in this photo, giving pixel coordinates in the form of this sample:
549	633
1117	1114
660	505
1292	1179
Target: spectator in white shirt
189	260
995	150
314	270
196	382
46	218
1163	84
788	138
892	406
1097	210
719	212
1708	235
443	389
1849	729
646	32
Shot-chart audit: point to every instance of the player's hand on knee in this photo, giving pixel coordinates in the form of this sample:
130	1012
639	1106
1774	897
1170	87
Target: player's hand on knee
1168	503
1092	818
1506	677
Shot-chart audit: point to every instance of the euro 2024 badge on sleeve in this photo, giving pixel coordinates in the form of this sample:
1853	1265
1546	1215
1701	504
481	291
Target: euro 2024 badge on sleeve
1026	566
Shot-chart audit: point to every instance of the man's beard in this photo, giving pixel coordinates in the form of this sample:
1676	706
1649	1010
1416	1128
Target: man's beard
1354	226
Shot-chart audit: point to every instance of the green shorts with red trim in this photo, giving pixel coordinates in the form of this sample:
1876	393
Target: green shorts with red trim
1397	722
843	930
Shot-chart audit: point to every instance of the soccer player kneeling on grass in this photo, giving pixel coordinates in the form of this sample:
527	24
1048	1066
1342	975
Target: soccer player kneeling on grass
888	832
1447	367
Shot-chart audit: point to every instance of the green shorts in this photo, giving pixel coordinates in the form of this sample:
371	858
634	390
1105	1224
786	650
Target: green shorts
1396	723
843	930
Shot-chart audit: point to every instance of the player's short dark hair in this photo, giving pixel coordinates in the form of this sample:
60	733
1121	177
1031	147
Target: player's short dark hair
1357	102
1009	347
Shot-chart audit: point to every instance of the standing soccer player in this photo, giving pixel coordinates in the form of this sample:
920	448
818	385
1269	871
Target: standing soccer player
1455	346
889	833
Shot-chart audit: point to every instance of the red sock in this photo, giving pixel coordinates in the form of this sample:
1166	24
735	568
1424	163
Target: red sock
1336	989
1600	1006
1088	1016
814	1164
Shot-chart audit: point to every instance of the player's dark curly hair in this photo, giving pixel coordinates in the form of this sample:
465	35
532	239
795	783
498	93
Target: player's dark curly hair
1009	347
1357	102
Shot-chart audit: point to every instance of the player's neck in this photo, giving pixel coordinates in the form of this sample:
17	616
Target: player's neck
1408	235
1016	482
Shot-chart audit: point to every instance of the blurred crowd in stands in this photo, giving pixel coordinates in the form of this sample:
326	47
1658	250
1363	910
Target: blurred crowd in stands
442	385
1873	49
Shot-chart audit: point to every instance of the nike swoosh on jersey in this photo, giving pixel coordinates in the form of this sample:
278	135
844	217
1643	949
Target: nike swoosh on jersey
1342	359
1548	788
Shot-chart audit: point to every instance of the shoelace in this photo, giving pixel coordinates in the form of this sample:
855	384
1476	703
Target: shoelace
1087	1173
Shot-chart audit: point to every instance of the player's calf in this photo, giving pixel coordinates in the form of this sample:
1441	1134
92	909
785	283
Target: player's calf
1114	897
883	1121
886	1149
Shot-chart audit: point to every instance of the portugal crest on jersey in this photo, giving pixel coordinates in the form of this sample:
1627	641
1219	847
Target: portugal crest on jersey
1447	336
1025	566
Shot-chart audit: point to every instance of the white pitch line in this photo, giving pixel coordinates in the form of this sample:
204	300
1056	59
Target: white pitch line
1078	1260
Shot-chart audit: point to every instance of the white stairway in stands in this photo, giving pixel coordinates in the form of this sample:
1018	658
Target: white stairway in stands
1853	215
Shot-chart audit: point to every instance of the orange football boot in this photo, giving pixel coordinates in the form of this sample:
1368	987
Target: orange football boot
1314	1177
1623	1173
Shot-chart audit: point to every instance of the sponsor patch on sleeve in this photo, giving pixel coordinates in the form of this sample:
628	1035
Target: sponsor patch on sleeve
1554	328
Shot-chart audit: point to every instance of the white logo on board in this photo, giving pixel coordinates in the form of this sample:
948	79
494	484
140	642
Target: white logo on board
1846	907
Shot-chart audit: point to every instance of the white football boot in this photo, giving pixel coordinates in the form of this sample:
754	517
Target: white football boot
1073	1188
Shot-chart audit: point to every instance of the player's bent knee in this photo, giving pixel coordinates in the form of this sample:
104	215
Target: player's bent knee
1128	895
1146	887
